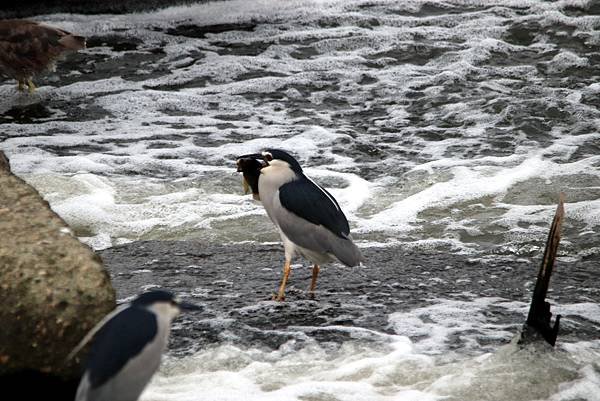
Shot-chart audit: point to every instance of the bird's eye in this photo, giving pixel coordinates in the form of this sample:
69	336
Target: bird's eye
268	156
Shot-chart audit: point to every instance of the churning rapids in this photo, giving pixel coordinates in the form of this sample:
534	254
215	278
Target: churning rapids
445	129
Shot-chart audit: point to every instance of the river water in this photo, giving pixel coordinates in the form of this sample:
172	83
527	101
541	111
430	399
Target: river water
443	128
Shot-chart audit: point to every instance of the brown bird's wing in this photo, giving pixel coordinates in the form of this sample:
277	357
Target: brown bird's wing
27	47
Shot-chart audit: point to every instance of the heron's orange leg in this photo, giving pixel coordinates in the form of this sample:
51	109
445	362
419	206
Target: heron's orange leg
31	85
286	273
313	282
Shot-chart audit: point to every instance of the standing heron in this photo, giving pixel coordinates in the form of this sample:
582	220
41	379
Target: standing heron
28	48
309	219
127	346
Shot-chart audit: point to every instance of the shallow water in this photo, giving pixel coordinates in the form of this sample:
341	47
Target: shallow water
445	127
454	122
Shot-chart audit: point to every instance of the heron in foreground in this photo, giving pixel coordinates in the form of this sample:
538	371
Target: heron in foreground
309	219
28	48
127	346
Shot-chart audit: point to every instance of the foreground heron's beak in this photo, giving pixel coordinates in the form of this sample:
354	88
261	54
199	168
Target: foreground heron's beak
187	306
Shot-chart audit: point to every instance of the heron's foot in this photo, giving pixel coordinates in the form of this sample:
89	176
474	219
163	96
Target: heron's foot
311	295
313	282
286	274
21	86
278	297
31	86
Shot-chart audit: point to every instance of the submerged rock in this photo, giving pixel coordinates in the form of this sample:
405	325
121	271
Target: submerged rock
54	288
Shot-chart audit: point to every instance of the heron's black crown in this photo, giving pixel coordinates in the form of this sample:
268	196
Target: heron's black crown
286	157
150	297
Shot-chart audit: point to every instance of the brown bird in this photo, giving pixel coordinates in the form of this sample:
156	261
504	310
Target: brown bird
28	48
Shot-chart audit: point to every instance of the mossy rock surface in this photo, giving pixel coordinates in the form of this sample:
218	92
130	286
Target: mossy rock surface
54	288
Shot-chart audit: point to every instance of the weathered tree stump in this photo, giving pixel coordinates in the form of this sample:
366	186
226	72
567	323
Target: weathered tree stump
538	324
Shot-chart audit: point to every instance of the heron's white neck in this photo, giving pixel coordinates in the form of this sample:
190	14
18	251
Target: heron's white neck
165	310
276	174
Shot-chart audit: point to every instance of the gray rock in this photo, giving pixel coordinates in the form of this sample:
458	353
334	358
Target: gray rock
54	288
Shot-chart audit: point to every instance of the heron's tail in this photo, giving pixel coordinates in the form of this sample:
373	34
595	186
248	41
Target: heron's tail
346	251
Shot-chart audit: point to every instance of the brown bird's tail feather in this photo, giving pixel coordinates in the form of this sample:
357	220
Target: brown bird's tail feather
73	42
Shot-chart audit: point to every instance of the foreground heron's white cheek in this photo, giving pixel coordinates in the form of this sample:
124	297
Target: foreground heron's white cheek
165	311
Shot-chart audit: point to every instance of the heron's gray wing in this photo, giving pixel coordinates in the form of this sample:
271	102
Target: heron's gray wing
311	202
120	339
311	218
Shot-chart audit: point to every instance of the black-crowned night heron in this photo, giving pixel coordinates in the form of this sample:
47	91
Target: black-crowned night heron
28	48
309	219
127	347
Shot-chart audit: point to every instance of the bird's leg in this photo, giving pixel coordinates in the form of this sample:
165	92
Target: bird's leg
286	274
31	85
21	86
313	282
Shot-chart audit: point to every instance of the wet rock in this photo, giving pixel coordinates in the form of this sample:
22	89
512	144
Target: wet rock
54	288
194	31
235	284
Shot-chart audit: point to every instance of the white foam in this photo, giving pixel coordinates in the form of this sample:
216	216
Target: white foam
586	387
436	325
589	311
466	184
231	373
113	213
564	60
356	371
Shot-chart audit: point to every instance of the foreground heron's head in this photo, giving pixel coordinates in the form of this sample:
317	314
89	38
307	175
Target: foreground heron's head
163	302
251	165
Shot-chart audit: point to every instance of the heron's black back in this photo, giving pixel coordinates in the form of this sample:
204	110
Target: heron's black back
311	202
120	339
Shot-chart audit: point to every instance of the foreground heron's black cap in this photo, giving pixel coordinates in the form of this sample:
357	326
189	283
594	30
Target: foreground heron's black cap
280	154
151	297
251	162
266	156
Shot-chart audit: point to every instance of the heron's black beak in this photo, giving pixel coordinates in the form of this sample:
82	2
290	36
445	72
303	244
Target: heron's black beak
187	306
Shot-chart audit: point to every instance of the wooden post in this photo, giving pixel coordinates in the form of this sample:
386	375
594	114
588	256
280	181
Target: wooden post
538	319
